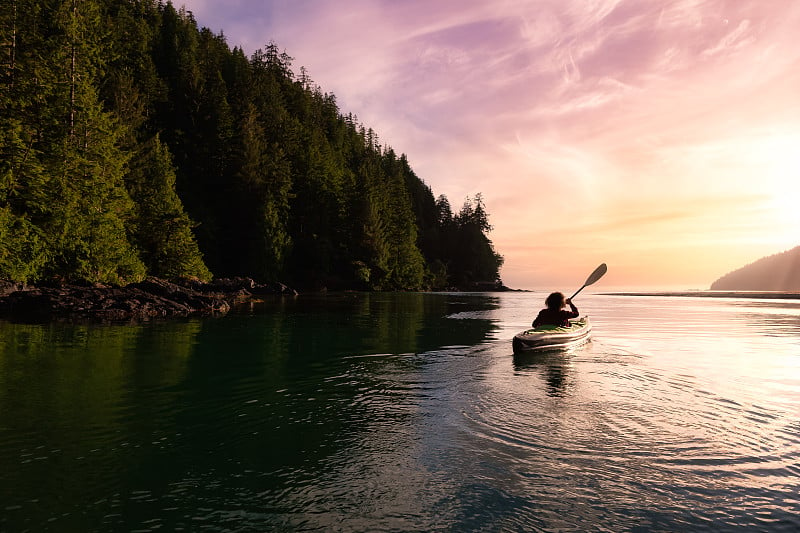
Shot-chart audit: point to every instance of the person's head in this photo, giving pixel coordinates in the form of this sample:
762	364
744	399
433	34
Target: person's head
555	301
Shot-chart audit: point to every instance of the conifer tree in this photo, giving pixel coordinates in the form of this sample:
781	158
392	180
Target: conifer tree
263	182
473	257
90	206
22	252
64	167
22	249
406	263
162	229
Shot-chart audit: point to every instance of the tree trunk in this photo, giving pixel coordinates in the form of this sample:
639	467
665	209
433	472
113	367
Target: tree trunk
72	75
12	50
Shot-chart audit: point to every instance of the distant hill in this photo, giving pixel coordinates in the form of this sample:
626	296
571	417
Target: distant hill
779	272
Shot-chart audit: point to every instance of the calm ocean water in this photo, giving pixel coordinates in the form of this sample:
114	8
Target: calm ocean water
407	412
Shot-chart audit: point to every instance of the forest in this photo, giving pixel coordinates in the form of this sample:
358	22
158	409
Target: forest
135	143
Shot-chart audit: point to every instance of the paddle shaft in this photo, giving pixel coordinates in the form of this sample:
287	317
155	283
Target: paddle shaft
598	273
576	292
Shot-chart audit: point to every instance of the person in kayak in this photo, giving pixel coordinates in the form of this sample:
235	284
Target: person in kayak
555	314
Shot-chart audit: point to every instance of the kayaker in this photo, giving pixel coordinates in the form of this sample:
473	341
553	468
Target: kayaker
555	314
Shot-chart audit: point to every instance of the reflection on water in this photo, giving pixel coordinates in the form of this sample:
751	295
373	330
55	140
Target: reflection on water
407	412
553	367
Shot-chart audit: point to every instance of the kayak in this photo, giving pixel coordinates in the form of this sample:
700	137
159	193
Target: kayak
552	337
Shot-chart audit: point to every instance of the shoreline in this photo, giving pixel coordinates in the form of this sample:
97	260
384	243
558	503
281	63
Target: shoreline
756	295
152	298
141	301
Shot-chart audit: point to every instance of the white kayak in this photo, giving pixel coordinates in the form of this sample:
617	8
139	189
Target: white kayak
552	337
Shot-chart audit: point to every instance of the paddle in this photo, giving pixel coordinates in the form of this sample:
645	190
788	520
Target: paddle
598	273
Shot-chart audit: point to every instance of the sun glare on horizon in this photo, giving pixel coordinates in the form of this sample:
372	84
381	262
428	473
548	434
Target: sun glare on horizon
781	163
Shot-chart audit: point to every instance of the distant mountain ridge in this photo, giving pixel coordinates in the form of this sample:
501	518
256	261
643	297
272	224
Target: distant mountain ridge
779	272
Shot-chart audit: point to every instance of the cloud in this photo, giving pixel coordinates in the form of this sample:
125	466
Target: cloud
564	112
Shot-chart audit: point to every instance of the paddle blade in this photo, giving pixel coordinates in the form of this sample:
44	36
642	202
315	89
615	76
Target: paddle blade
598	273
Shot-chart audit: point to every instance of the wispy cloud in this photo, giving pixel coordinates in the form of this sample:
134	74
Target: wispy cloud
563	112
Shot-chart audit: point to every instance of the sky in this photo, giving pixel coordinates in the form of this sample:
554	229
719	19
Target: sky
659	137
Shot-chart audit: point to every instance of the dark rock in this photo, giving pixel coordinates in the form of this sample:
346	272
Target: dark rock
231	284
235	289
153	297
190	283
273	288
7	287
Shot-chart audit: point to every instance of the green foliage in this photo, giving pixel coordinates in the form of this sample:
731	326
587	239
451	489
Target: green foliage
263	181
22	253
122	123
162	229
474	257
462	253
63	177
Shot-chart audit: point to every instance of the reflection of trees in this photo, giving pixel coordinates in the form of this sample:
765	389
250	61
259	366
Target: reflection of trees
76	405
378	323
250	412
306	396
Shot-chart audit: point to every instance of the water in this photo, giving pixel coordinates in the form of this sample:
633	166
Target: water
407	412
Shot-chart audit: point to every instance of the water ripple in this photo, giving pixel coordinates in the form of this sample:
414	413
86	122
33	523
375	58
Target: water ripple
281	423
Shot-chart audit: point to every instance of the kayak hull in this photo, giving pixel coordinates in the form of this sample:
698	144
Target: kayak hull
552	338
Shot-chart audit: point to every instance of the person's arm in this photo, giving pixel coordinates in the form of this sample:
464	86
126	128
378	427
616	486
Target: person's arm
537	320
574	309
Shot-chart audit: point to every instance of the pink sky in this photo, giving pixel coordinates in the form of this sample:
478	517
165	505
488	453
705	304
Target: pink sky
660	137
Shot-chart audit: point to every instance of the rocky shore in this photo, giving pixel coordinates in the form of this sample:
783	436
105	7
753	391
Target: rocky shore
151	298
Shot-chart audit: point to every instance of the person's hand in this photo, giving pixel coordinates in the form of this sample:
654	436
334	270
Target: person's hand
568	301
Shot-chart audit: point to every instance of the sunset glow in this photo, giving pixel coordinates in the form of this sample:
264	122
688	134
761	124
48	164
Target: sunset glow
662	138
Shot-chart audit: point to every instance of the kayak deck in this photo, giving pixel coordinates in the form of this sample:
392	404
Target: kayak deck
552	337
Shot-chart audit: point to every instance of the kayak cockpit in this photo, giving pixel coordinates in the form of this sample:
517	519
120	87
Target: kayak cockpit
552	337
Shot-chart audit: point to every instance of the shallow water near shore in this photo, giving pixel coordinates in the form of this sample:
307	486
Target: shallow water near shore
407	412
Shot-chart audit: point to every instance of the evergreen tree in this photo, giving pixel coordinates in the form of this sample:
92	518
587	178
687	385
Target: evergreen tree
263	181
90	206
473	257
162	229
22	178
64	170
406	262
